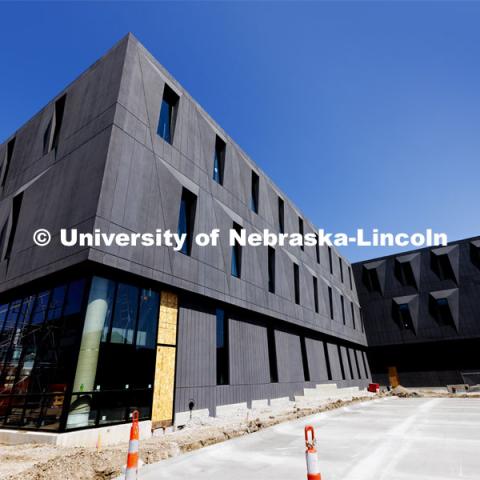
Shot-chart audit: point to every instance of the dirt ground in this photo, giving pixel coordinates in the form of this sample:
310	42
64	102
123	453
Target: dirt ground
39	462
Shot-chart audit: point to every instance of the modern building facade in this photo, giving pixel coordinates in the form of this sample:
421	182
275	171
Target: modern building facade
89	333
422	315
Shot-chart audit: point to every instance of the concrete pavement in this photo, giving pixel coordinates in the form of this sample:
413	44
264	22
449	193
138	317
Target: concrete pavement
394	439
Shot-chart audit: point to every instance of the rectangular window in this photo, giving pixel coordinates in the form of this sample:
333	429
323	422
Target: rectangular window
342	367
330	259
219	160
300	230
17	205
306	371
353	314
356	363
125	314
237	255
59	109
186	219
330	301
349	363
365	362
350	277
7	161
296	283
254	192
271	269
327	361
342	301
168	114
340	263
317	250
281	215
315	293
222	348
272	355
360	312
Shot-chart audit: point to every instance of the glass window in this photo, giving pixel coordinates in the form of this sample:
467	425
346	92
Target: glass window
281	215
73	303
219	160
3	315
222	348
166	123
17	205
148	319
7	161
342	301
340	263
315	293
40	310
56	302
237	255
306	370
353	314
254	200
296	283
272	355
300	230
271	269
186	219
330	259
330	301
125	314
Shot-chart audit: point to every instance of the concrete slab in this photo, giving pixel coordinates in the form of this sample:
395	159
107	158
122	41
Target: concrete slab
398	439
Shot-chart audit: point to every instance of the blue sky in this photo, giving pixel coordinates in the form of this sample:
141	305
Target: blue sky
365	114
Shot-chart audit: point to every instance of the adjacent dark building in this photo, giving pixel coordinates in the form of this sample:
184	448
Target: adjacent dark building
422	315
89	333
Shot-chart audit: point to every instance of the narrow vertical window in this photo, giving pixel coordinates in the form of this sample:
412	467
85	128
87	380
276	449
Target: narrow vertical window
327	361
17	205
296	283
222	348
340	263
349	363
219	160
272	355
271	269
281	215
237	255
254	192
186	219
342	301
353	315
300	230
365	361
306	370
330	259
342	367
315	293
317	249
59	109
357	364
330	301
168	114
362	322
350	277
7	160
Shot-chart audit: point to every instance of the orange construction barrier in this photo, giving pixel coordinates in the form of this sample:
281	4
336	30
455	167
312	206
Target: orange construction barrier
132	458
313	471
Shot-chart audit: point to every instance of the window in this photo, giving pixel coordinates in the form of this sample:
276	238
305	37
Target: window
442	266
365	363
327	361
237	255
296	283
330	259
125	315
147	319
168	114
330	301
403	312
219	160
315	293
186	219
440	309
222	348
340	356
353	314
17	204
349	363
357	364
361	319
59	109
7	161
281	215
306	371
300	230
317	250
350	277
340	263
342	301
254	192
272	355
271	269
404	273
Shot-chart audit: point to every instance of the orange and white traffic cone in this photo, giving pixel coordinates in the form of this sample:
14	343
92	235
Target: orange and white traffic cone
313	471
132	458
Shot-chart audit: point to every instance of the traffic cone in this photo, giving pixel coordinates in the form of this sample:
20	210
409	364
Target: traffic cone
132	458
313	471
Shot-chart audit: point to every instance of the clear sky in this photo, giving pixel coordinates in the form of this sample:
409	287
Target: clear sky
366	114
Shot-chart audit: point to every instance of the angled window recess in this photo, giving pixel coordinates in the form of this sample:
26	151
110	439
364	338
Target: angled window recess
353	315
281	215
168	114
317	250
315	294
222	348
330	261
350	277
254	192
445	262
373	276
7	161
300	230
407	269
327	361
16	207
306	370
52	132
340	358
342	301
271	269
475	252
219	160
330	302
405	312
237	255
444	307
186	219
272	355
340	263
296	283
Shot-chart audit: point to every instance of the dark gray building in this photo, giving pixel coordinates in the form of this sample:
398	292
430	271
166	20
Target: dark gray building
422	315
88	333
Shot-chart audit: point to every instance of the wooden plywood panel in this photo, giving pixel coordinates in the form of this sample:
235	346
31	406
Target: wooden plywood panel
167	322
